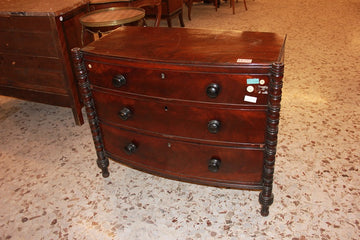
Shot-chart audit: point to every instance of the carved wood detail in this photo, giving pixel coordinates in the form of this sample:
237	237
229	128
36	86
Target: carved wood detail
266	196
85	91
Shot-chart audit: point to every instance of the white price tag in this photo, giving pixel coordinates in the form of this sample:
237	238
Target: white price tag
250	99
244	60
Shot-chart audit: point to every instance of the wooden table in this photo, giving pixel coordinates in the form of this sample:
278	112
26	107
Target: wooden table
106	20
35	42
169	8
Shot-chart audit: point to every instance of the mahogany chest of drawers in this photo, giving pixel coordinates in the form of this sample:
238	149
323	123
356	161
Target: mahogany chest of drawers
200	106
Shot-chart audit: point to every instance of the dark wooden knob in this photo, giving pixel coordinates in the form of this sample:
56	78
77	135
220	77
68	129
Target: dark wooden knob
130	148
119	80
214	126
213	90
125	113
214	165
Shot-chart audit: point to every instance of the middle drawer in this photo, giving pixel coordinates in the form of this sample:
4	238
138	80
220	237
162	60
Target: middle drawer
182	120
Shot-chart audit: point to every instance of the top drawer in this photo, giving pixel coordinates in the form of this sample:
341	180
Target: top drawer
191	86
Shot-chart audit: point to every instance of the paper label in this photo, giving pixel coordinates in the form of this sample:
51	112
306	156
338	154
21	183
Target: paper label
250	99
250	89
244	60
252	81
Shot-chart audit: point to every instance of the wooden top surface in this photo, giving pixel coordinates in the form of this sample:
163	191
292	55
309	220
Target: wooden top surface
112	16
39	7
190	46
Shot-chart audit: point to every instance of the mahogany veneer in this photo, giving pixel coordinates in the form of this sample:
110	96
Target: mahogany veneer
161	101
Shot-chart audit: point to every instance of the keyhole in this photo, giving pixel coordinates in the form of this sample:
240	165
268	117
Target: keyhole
166	108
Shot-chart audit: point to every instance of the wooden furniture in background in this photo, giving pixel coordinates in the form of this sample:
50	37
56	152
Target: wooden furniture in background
101	4
232	4
171	9
206	114
189	4
105	20
35	42
148	4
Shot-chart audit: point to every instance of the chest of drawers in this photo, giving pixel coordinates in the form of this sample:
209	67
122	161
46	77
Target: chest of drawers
36	38
200	106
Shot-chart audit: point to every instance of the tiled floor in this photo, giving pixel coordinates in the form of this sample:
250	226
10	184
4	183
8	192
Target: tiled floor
50	186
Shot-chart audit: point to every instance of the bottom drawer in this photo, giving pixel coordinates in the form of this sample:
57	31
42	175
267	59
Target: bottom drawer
229	166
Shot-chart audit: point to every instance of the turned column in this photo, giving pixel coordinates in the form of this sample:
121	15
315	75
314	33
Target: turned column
84	88
266	196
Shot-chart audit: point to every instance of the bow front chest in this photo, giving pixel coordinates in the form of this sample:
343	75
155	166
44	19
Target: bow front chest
195	105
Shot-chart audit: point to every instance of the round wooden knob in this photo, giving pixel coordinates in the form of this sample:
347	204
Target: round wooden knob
214	126
214	165
212	90
125	113
130	148
119	80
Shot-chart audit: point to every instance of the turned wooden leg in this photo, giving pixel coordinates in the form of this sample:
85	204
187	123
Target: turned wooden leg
103	164
265	201
168	19
84	88
182	24
189	6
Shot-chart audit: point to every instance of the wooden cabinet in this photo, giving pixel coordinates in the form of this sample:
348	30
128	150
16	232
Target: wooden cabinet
35	43
161	101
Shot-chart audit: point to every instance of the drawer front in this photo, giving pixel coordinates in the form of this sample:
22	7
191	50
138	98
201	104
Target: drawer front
187	161
204	87
173	118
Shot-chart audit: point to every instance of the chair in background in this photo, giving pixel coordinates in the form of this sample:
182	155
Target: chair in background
169	10
150	3
189	4
233	5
